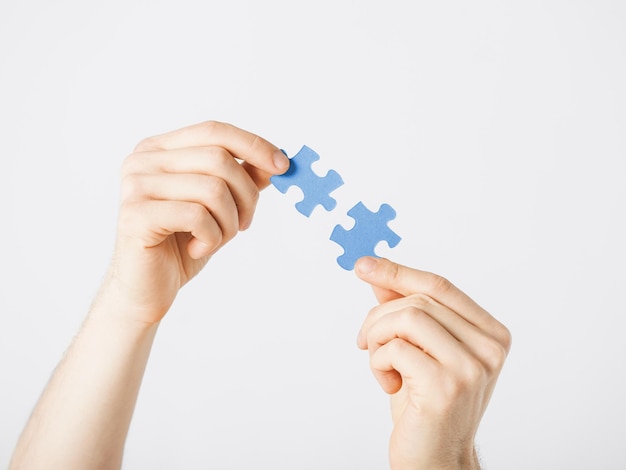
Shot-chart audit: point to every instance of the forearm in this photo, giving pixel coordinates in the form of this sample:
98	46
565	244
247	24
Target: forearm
82	418
447	458
184	194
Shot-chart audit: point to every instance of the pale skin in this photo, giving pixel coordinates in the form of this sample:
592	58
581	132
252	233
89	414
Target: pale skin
184	195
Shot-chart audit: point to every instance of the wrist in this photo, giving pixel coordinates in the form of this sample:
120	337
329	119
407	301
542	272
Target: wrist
114	322
466	460
117	301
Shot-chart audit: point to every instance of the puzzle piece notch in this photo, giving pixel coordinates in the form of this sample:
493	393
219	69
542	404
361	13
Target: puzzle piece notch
316	189
369	229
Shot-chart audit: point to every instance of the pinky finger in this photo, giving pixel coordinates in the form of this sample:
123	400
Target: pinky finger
153	221
399	361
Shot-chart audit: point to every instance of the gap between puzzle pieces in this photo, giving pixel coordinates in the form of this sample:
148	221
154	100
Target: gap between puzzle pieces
316	189
369	229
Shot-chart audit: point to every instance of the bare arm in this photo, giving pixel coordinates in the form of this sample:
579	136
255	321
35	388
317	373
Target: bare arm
83	415
184	195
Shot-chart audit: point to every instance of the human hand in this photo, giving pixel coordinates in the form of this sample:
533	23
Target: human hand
184	194
438	354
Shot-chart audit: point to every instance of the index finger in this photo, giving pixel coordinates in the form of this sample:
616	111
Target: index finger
243	145
385	274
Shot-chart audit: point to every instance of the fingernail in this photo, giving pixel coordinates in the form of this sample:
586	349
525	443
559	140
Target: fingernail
281	162
366	265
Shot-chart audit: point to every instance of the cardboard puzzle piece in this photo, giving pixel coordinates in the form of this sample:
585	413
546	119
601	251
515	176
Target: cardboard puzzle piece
316	189
369	229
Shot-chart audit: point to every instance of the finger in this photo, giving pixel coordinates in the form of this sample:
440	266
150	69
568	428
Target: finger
210	161
490	351
419	329
378	312
209	191
406	281
152	222
244	145
399	360
261	178
456	325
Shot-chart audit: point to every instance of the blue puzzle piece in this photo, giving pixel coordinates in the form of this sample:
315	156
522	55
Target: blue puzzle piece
369	229
316	189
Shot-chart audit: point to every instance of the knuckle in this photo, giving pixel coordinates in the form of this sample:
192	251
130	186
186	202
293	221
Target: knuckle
195	213
452	388
254	194
374	360
371	338
217	239
255	142
229	230
495	354
126	214
216	188
218	156
419	300
136	162
227	235
411	313
130	164
439	285
397	346
506	339
393	273
132	186
377	362
455	385
472	372
211	126
369	320
148	143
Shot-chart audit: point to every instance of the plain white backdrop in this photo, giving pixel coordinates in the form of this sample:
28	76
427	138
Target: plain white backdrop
495	129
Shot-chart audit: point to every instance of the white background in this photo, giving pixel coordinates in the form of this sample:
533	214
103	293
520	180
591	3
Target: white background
495	129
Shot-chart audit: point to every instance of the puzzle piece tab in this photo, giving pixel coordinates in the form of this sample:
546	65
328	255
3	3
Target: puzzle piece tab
369	229
316	189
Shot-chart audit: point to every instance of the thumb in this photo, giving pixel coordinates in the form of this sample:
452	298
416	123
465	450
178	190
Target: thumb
386	276
385	295
389	280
